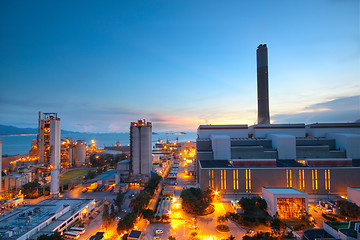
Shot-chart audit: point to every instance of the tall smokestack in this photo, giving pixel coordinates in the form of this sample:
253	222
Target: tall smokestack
262	84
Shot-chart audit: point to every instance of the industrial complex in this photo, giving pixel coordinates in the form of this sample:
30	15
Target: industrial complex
320	159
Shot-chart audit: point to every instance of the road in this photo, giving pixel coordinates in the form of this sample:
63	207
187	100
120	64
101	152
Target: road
182	224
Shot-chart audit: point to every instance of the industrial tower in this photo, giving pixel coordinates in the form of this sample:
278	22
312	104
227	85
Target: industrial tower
141	147
262	84
49	146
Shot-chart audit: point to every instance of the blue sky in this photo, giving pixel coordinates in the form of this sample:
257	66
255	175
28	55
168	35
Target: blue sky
179	64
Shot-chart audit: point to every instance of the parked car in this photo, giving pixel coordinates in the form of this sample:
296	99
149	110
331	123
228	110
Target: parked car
158	231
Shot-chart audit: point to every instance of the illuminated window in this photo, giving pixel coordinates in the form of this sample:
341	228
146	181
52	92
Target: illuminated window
234	179
327	179
288	178
223	179
314	179
303	178
290	207
237	179
248	180
211	178
300	182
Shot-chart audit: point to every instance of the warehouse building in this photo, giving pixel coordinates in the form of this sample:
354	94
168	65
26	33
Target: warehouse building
51	215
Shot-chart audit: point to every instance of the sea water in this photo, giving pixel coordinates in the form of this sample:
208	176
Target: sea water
20	144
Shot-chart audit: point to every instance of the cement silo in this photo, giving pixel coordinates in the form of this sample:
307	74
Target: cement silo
141	147
79	153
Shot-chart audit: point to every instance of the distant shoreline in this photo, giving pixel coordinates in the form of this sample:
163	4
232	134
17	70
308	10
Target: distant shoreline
17	135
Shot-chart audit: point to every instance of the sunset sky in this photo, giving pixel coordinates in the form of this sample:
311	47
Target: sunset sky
181	63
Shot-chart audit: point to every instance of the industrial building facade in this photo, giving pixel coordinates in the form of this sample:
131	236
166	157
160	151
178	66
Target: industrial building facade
278	155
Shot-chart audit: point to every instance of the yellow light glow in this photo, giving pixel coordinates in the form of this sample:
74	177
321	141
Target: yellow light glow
216	192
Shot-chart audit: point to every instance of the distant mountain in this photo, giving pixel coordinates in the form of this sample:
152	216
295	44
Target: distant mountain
11	130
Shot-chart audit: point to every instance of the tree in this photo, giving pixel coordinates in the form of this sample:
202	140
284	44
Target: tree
113	213
127	222
348	208
119	200
171	238
195	201
231	237
147	214
142	199
106	214
54	236
275	225
31	189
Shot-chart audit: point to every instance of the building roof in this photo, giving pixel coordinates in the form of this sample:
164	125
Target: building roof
320	233
106	175
230	127
31	216
334	125
135	234
215	164
275	126
283	190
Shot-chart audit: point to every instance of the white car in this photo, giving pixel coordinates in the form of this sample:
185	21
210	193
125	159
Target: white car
158	231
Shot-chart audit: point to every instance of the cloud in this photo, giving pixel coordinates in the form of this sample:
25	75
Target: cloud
343	109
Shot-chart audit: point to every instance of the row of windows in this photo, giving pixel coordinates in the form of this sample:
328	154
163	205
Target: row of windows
289	179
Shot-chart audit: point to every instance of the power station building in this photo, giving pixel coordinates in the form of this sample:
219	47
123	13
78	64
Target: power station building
49	146
141	148
320	159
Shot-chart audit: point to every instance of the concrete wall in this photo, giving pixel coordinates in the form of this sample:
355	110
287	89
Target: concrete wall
204	156
322	131
221	147
261	131
233	131
285	145
347	142
316	142
317	152
340	179
353	194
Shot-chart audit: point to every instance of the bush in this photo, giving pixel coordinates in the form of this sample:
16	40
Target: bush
196	202
348	208
222	228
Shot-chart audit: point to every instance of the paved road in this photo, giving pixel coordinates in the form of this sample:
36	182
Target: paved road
182	224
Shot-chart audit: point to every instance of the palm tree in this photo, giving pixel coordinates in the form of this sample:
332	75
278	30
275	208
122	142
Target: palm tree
231	237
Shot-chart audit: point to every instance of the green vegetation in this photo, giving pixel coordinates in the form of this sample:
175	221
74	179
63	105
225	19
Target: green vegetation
31	189
137	205
337	225
143	198
127	222
106	160
260	236
196	202
147	214
106	215
69	175
254	212
119	200
222	228
348	209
